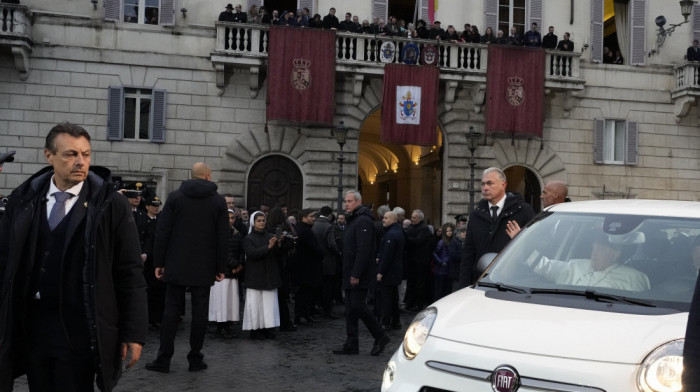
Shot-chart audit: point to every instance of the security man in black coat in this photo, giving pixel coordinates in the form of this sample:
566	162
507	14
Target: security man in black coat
390	269
191	250
486	230
72	293
359	273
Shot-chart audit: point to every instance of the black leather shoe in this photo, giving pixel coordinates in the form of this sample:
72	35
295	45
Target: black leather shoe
197	366
159	367
379	345
346	351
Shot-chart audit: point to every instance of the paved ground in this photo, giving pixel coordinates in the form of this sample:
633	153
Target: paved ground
295	361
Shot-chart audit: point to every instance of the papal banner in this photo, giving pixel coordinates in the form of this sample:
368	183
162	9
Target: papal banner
301	75
515	90
409	110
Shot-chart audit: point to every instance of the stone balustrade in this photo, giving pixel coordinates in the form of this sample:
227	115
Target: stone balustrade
16	33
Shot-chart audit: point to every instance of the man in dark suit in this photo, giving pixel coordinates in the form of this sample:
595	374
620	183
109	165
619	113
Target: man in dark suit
390	269
567	46
549	41
359	273
331	21
71	285
486	230
191	249
693	53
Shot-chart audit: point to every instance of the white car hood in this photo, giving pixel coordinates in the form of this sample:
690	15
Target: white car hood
470	317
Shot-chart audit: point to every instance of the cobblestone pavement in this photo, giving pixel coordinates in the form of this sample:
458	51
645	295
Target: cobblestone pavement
294	361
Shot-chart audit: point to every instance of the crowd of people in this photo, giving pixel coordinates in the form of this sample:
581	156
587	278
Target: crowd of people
400	28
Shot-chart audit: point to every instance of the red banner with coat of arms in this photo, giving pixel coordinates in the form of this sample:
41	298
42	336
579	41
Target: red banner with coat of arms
515	90
409	105
301	75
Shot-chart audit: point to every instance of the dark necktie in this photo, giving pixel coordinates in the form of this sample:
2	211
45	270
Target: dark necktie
494	213
58	211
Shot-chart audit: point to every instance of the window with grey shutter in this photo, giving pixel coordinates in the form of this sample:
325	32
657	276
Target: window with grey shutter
112	9
301	4
536	14
598	138
167	14
638	14
696	22
158	113
423	10
380	9
115	113
631	143
491	15
596	40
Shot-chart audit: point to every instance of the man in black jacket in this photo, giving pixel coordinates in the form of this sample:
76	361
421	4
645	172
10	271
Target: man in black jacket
390	269
191	249
419	251
359	271
71	285
325	235
549	41
331	21
486	230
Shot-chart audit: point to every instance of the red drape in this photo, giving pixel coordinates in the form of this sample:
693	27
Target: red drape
301	75
515	90
424	131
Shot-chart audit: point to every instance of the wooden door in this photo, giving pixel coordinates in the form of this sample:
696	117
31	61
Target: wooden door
275	180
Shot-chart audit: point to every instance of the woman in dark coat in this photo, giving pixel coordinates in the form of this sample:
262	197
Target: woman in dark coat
488	37
262	277
442	285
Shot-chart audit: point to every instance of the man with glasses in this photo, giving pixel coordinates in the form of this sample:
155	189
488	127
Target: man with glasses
486	230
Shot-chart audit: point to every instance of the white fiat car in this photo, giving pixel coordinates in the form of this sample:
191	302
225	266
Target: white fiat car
590	296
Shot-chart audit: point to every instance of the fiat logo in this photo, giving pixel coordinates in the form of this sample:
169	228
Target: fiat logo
505	379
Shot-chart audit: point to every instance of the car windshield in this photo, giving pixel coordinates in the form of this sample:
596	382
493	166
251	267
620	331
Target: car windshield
637	259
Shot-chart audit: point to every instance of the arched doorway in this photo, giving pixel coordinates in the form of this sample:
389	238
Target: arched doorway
273	180
524	182
408	176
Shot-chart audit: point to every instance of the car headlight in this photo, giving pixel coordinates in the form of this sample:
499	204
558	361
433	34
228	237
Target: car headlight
661	370
417	332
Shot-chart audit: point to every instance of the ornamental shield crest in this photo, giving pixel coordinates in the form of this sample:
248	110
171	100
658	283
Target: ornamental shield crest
301	74
515	94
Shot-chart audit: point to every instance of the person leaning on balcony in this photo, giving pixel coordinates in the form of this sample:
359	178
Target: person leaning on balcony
488	37
514	38
436	32
476	36
549	41
254	14
533	39
227	16
500	39
239	16
693	53
330	21
421	29
566	44
316	22
451	34
347	25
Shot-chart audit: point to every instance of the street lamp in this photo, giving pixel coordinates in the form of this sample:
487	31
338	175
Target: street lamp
341	136
472	142
686	10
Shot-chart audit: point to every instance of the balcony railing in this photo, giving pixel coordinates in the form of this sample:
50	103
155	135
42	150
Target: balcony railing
686	89
16	33
241	44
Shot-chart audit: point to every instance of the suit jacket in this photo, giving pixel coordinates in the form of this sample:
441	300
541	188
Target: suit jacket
113	287
485	236
693	54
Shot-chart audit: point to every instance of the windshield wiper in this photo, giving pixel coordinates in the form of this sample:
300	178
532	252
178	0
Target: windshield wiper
597	296
503	287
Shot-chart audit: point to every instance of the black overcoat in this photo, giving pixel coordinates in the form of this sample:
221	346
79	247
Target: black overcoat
114	290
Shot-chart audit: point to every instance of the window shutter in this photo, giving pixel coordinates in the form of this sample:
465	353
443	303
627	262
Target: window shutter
637	35
158	113
597	31
631	143
167	14
696	22
380	9
112	9
491	15
535	14
423	11
300	5
598	141
115	113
